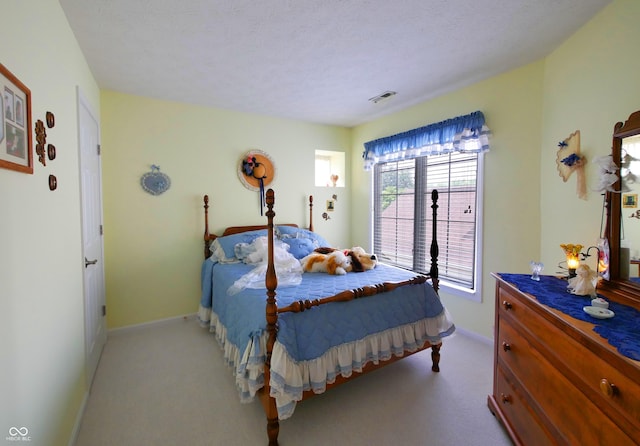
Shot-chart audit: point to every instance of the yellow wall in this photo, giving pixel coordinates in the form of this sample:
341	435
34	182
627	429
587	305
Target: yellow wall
512	105
588	83
42	375
591	82
153	243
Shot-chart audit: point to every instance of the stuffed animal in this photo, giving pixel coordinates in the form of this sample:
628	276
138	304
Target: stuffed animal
335	261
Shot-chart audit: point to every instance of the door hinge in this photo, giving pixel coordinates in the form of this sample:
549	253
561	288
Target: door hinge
101	230
104	310
99	148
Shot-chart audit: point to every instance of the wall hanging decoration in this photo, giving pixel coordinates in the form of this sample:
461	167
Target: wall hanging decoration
569	160
331	206
257	170
51	120
51	151
41	139
630	200
16	145
154	181
53	182
607	174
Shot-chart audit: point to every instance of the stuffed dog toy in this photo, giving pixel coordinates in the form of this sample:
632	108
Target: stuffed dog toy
335	261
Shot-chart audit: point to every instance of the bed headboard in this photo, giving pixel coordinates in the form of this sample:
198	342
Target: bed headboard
208	237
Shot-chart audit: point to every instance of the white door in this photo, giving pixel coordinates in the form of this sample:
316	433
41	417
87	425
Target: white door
91	190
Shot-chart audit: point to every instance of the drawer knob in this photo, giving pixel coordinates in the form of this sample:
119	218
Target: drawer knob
506	399
607	388
507	305
506	346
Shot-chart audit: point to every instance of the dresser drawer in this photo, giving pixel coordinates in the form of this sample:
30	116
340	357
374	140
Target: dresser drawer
615	393
514	411
555	398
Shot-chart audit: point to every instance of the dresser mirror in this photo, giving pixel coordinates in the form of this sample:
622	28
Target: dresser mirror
623	212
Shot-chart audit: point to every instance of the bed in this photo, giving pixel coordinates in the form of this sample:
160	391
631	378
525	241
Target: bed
287	338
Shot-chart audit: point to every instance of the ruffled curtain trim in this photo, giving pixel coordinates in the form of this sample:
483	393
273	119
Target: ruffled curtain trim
461	134
289	379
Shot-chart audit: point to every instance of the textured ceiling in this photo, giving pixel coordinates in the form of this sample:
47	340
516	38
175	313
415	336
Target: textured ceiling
317	61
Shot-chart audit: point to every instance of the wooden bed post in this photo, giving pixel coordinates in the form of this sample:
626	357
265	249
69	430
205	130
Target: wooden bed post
311	213
207	241
433	272
435	357
271	283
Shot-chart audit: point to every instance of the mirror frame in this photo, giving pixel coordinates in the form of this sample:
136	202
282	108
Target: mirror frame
624	289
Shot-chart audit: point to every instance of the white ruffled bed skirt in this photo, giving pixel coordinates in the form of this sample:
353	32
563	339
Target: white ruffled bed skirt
289	378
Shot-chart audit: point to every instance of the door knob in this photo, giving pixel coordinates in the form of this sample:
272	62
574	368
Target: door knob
89	262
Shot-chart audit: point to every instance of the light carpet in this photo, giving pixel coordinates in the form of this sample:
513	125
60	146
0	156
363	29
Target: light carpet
167	384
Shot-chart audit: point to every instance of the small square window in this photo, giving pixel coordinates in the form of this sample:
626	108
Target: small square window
329	169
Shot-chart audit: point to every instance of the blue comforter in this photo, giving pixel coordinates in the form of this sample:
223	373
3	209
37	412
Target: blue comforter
315	346
309	334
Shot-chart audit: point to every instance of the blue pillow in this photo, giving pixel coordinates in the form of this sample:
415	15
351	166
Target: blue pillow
229	242
286	231
300	247
289	232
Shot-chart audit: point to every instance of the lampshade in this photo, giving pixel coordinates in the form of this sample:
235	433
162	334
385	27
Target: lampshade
572	252
572	261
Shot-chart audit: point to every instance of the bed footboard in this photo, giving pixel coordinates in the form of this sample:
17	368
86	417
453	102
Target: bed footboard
347	295
272	311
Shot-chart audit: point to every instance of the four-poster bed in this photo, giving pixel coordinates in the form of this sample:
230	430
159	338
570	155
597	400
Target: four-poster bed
317	330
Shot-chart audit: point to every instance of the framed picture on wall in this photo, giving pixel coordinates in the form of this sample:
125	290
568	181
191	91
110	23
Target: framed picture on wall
16	147
630	200
330	205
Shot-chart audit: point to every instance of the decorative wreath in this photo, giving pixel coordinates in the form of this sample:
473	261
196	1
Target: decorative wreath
257	170
155	182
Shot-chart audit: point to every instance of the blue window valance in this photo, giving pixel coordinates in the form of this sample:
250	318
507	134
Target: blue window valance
461	134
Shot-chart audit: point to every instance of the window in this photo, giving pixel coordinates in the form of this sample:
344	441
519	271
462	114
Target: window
403	214
329	168
446	156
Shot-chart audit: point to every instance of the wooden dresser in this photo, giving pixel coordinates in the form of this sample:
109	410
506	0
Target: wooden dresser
556	381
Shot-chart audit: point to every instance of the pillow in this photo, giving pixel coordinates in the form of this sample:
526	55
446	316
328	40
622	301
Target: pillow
300	247
289	232
229	242
257	251
218	255
244	250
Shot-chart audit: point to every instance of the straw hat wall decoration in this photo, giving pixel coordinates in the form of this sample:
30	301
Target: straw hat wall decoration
570	160
256	170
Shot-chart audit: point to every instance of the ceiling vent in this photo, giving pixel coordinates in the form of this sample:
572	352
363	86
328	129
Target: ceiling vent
382	97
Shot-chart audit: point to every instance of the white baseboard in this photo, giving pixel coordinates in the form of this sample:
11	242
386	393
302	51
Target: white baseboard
76	426
130	328
475	336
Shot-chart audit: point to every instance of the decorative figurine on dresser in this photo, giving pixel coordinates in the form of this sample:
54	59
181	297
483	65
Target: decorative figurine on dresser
567	365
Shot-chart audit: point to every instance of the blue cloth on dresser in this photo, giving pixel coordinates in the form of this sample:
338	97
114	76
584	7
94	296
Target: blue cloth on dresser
622	331
331	324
